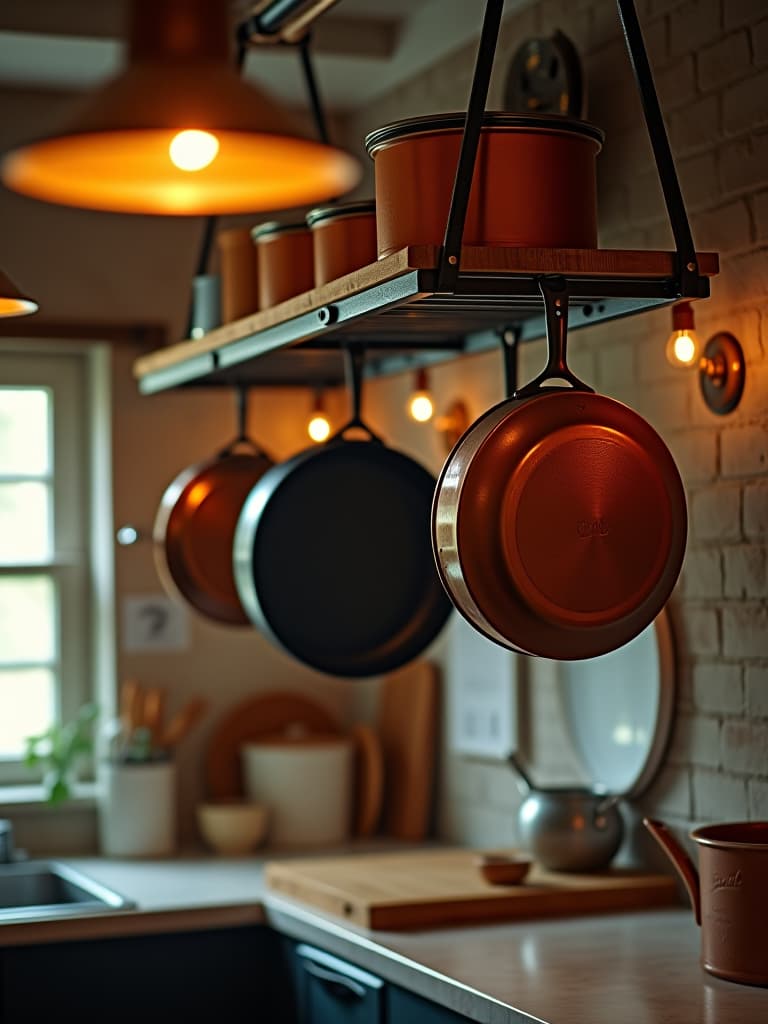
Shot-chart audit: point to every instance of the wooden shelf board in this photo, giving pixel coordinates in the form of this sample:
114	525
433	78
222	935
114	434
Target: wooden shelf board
420	316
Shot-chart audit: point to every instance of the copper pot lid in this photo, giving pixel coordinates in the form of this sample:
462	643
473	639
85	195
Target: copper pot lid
337	211
496	120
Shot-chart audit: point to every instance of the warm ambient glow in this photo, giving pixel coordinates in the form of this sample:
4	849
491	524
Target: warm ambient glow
178	94
12	302
420	405
683	345
192	150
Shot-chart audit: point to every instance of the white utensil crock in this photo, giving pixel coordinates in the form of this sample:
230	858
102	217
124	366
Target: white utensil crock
138	810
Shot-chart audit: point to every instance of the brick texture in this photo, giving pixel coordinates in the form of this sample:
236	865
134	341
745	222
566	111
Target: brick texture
745	747
756	690
719	797
744	105
745	571
756	509
740	12
725	61
693	25
716	513
745	631
745	450
718	688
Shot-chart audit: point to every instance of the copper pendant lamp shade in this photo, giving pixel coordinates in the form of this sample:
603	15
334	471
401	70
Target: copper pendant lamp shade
12	301
179	132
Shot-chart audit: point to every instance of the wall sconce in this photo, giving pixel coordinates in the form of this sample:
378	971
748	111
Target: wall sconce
721	364
722	373
179	132
420	406
683	345
318	424
12	302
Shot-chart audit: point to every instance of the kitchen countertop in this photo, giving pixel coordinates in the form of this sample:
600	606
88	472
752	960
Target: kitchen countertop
626	968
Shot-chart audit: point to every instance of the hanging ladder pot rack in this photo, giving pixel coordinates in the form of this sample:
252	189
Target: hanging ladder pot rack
426	304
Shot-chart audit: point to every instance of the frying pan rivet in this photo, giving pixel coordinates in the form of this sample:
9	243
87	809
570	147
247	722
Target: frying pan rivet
453	260
690	266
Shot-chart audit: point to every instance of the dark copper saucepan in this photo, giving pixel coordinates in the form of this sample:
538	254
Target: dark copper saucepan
559	519
195	526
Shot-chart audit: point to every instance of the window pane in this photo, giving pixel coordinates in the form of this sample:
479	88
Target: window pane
24	531
24	431
27	615
26	707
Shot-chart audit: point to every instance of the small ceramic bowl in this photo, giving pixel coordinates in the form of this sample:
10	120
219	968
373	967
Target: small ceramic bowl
233	828
503	868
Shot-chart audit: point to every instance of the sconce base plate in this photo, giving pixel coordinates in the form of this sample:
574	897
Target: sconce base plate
721	373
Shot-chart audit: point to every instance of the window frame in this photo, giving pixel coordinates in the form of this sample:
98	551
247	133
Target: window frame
81	561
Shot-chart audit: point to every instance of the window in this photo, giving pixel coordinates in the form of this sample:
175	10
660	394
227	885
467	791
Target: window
46	557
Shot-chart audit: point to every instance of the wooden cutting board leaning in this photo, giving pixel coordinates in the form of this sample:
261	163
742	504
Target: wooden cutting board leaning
407	724
423	889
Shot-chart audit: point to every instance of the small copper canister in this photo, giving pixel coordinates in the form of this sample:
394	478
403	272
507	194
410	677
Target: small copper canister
343	237
285	261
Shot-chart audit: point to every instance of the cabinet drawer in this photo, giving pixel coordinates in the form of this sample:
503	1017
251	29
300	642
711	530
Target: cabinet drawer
331	991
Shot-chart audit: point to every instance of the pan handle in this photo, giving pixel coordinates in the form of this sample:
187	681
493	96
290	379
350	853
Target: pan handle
354	360
554	290
242	440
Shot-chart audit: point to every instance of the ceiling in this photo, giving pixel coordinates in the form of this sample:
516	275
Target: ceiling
362	48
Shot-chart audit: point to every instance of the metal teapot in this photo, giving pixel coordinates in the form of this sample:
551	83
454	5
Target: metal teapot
567	828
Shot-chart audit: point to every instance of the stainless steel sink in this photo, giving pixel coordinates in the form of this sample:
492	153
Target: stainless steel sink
30	890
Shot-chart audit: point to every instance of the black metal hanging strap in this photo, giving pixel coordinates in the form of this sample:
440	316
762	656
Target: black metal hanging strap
688	270
450	255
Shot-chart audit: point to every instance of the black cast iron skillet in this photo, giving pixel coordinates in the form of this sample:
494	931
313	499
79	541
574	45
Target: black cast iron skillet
332	553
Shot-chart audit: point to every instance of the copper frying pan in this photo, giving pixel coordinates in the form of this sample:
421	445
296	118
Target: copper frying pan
195	526
559	519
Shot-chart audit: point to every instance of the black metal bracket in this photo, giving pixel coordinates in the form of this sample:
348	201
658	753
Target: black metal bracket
450	254
312	90
691	284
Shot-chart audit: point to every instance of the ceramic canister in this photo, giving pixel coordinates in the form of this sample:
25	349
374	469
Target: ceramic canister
534	182
307	785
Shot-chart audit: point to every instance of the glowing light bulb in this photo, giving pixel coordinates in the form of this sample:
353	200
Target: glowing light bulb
318	427
192	150
420	405
683	347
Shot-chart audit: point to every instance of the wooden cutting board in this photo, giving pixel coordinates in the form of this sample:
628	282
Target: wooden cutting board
424	889
407	724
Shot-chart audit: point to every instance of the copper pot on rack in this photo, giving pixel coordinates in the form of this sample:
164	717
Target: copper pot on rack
559	519
534	181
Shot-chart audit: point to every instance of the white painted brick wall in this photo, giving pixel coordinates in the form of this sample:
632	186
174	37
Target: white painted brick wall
756	688
716	513
718	688
719	797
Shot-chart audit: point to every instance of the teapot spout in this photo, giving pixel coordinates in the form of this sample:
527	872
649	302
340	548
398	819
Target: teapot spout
524	782
682	862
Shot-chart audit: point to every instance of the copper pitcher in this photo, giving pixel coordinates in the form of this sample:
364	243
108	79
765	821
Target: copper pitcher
729	894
